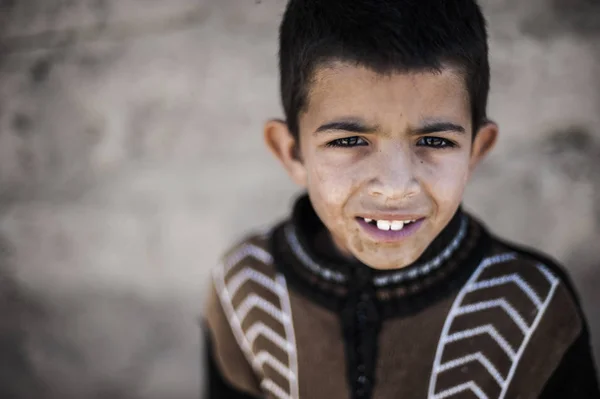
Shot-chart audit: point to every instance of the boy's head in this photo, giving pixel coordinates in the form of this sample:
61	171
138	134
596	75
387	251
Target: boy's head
385	104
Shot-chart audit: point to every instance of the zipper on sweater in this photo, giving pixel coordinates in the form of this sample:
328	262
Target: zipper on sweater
361	323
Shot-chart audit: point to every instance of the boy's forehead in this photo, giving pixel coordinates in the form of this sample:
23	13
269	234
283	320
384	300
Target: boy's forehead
341	88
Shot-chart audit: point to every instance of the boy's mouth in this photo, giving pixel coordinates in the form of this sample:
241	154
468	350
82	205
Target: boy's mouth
387	225
390	230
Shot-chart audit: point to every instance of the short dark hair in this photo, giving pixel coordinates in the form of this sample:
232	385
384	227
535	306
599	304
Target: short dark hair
385	36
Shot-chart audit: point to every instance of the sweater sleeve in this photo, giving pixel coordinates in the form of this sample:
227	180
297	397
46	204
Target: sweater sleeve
576	376
228	372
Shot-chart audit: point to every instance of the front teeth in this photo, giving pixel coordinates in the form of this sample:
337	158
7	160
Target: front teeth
397	225
383	225
387	225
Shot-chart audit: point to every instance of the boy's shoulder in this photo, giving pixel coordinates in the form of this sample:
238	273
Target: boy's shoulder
253	244
251	251
528	302
244	280
519	314
531	269
530	287
246	274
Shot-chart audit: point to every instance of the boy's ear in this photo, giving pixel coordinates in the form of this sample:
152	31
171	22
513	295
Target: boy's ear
286	149
484	142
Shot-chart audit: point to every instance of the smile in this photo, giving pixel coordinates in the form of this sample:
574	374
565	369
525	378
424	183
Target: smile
386	225
390	230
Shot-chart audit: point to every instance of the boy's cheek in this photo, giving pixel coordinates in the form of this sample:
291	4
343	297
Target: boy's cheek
330	195
329	192
337	180
449	192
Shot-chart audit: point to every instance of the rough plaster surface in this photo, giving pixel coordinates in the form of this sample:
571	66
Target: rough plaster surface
131	156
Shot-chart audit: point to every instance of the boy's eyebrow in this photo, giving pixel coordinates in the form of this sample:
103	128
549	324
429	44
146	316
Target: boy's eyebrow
353	125
439	126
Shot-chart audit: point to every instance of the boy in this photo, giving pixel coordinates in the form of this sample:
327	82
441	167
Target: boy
380	285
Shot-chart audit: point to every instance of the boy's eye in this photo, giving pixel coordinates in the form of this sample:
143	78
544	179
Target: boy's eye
353	141
435	142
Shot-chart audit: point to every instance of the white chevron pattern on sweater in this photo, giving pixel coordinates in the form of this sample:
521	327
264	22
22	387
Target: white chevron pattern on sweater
265	357
259	328
480	357
511	278
501	303
248	274
254	301
276	390
247	250
554	281
228	286
460	308
467	386
487	329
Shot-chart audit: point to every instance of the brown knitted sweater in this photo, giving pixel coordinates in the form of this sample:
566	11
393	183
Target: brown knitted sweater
474	317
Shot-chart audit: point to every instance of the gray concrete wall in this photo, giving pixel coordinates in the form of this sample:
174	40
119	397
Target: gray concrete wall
131	154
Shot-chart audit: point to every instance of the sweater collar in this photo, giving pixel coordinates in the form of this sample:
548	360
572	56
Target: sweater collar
324	260
325	272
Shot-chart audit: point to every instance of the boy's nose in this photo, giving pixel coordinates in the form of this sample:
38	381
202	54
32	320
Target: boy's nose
394	179
395	191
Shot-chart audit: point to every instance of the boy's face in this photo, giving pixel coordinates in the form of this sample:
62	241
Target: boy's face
378	151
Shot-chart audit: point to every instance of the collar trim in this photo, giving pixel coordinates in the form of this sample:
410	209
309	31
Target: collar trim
411	273
307	261
426	268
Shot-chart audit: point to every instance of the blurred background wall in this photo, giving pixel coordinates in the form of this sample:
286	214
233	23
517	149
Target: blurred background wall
131	156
